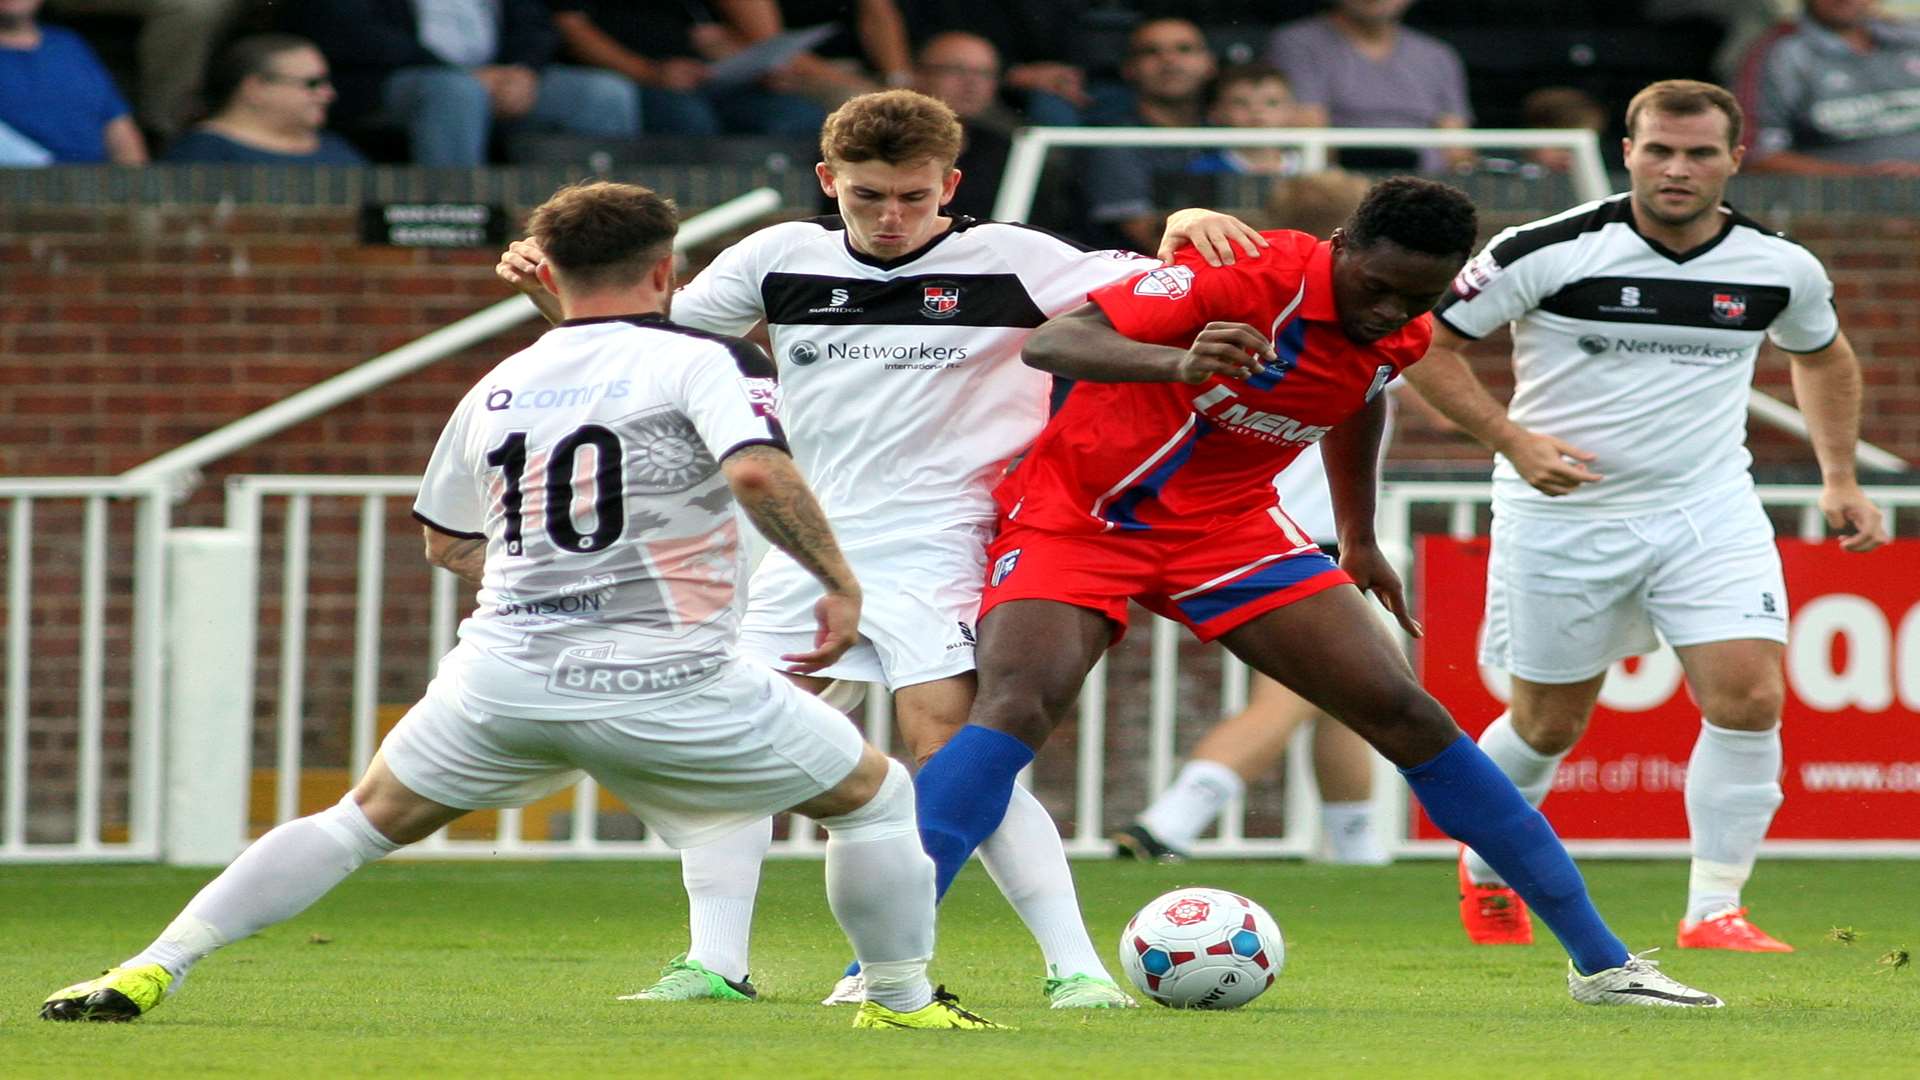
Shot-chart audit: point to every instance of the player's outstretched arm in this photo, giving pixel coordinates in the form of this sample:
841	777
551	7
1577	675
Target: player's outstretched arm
1352	455
465	556
1552	466
1212	234
1827	386
519	266
781	506
1083	344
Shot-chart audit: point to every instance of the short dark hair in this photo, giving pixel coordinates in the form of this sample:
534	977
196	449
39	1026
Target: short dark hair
1686	97
1238	74
599	233
1419	215
1563	107
245	58
897	127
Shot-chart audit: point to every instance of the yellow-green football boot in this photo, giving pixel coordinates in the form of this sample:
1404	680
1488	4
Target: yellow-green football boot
118	995
942	1013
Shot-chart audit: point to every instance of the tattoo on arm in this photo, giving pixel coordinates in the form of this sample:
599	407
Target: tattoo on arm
467	558
785	512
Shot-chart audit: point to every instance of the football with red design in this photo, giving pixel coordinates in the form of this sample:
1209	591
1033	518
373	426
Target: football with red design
1202	949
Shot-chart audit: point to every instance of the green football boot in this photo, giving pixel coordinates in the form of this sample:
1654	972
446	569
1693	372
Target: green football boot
1086	992
686	980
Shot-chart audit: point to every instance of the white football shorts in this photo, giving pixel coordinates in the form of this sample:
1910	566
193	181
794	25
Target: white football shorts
919	598
744	744
1568	596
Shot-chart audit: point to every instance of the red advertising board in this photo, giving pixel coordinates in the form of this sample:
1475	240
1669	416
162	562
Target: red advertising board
1852	716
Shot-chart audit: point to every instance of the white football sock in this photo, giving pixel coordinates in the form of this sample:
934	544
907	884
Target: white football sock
880	887
1350	837
1733	789
722	879
1025	857
1531	772
1182	812
277	877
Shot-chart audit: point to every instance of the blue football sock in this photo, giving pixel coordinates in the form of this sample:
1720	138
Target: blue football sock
1468	796
962	794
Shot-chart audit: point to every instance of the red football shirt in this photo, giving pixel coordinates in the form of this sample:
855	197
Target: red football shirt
1182	457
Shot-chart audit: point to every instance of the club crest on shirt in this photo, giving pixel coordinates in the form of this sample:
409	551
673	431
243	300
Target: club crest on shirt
1729	308
1168	282
940	299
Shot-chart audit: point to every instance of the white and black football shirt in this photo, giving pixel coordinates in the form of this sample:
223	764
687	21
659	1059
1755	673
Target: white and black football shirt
590	463
901	384
1639	354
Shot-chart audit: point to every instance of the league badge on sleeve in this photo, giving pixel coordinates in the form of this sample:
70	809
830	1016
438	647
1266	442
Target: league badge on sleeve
764	396
1476	276
1168	282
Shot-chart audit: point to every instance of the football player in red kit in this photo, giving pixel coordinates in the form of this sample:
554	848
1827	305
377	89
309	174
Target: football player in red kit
1154	483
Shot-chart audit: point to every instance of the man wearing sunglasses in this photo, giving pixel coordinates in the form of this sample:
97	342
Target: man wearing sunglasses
272	92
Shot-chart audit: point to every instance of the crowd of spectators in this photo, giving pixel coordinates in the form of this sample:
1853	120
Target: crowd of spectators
1833	89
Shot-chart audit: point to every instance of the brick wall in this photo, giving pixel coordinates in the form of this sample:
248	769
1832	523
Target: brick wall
128	330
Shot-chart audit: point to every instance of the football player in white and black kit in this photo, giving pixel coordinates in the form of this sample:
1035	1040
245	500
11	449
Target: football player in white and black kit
1622	500
897	332
587	487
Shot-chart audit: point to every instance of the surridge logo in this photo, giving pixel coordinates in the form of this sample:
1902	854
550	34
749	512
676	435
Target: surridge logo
837	304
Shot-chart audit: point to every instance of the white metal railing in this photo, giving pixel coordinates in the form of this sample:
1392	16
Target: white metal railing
88	817
1030	145
180	466
1166	713
98	831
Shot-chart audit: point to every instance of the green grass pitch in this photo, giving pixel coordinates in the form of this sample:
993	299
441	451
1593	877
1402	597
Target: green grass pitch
511	969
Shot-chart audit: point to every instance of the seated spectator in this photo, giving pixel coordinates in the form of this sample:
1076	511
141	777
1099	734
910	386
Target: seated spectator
273	91
1357	66
867	51
1835	93
1315	203
963	70
449	69
1553	107
667	50
1250	96
1168	67
55	95
1034	40
177	38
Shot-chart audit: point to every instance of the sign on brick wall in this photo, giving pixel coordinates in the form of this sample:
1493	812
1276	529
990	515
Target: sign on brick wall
434	225
1852	734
